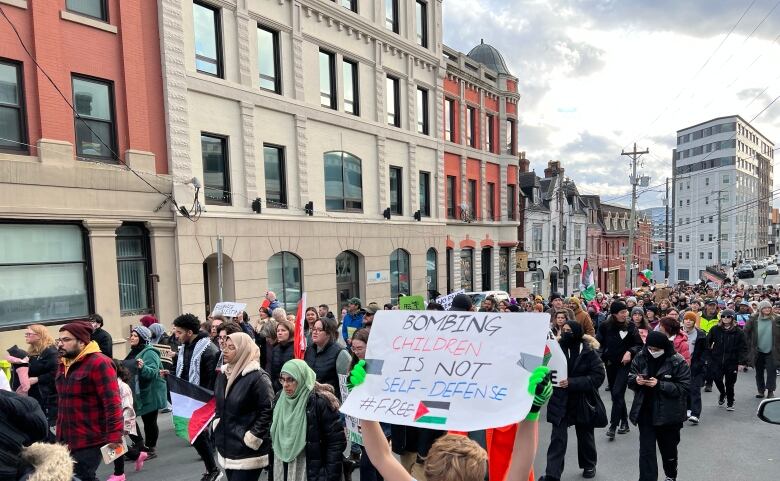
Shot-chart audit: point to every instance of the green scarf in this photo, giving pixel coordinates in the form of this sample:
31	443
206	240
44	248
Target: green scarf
288	429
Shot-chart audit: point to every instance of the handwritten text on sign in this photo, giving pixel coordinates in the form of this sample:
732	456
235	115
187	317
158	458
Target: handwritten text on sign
439	369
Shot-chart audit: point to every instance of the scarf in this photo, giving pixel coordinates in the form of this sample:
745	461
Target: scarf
246	353
197	352
288	428
90	348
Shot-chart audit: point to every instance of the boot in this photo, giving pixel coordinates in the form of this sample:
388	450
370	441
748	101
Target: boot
348	466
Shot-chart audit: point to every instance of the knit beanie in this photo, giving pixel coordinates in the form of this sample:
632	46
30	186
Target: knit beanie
81	330
764	304
148	320
461	302
617	306
658	340
631	299
144	333
637	310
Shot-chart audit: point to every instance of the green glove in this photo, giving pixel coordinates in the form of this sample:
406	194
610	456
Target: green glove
357	375
540	387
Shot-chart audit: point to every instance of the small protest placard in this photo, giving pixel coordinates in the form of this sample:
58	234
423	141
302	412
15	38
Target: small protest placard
352	424
411	303
559	368
228	309
438	370
446	301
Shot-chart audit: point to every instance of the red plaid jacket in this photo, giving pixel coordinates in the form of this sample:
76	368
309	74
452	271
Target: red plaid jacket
89	406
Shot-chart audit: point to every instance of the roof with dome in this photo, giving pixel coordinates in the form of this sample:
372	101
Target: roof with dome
490	57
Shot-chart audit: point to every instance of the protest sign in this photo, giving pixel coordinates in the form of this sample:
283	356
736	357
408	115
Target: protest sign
446	301
228	309
460	371
520	292
559	368
411	303
352	424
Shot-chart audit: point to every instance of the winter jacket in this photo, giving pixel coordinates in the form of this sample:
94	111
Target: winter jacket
47	462
671	392
104	341
323	362
208	362
751	336
613	346
280	354
728	347
350	323
22	422
150	391
44	367
680	342
242	423
586	375
700	355
583	318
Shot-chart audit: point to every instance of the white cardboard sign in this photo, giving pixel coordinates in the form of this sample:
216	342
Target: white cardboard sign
461	371
446	300
228	309
352	425
559	367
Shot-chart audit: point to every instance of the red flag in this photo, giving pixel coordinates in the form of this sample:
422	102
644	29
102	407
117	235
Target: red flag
300	322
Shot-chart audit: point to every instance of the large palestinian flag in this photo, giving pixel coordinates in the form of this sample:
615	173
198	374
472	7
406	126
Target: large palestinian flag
193	408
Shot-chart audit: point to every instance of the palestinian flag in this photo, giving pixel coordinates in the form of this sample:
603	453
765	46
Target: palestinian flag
587	286
432	412
193	408
645	276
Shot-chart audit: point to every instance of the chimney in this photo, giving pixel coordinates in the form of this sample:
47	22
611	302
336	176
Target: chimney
524	163
553	169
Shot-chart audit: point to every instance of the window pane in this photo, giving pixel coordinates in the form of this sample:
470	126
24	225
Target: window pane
349	71
422	111
215	169
354	178
42	292
129	247
326	79
466	269
334	176
422	23
275	188
396	193
284	278
448	106
132	285
9	88
391	15
425	194
89	134
390	87
10	123
206	35
266	58
93	8
399	274
432	272
36	243
92	99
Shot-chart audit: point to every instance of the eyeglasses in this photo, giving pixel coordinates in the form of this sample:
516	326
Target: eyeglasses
286	380
63	340
317	329
28	334
730	317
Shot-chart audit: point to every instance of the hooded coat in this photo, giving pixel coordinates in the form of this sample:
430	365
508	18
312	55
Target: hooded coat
582	316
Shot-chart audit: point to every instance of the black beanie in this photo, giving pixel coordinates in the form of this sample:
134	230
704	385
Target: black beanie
617	306
461	302
658	340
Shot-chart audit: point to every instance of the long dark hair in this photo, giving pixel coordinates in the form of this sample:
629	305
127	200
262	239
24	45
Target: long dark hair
121	371
359	335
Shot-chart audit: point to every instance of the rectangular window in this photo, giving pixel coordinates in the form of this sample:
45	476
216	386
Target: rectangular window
275	176
471	126
343	182
511	202
351	87
449	120
452	184
327	80
473	197
13	131
393	88
425	194
709	255
396	191
268	59
44	272
554	235
391	15
422	111
510	137
216	171
94	122
422	23
682	274
491	200
208	39
577	238
350	5
91	8
133	267
701	255
490	132
536	238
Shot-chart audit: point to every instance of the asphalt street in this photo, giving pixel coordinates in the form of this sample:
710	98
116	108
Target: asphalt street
758	280
732	446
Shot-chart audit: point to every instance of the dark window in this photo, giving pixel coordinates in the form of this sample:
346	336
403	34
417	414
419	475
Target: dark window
268	59
275	176
422	111
286	279
391	15
216	170
449	261
422	23
351	88
350	5
449	120
467	269
396	191
510	137
13	131
471	127
133	267
400	279
343	182
44	273
90	8
491	200
473	197
432	273
208	39
452	183
425	194
511	202
94	122
491	128
487	268
393	87
327	79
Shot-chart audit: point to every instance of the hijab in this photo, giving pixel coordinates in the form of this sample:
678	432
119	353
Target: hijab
157	331
288	428
571	342
246	353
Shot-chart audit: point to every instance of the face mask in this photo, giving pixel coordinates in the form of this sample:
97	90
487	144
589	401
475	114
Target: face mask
656	354
567	338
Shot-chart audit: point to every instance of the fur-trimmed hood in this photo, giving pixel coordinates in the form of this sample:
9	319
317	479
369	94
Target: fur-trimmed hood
52	462
591	341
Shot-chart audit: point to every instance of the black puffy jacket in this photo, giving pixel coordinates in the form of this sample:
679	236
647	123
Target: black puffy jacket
104	341
728	347
323	362
242	423
700	354
280	354
670	394
586	375
613	346
44	367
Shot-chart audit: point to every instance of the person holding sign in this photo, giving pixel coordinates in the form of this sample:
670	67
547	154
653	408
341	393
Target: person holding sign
324	355
570	403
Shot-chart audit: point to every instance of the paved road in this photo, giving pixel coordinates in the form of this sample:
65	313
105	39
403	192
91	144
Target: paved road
733	446
758	280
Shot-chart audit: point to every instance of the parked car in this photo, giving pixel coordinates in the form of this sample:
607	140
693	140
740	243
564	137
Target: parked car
772	270
769	411
478	297
745	272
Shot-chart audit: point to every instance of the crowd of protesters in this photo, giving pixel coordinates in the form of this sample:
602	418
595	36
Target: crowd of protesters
280	414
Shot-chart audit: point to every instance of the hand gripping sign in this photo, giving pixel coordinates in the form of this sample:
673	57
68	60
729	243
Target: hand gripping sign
460	371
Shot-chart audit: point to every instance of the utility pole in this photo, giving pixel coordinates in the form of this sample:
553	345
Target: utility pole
634	154
720	199
560	227
666	225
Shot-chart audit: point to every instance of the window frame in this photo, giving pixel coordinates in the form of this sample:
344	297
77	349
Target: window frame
281	294
103	8
282	166
423	124
511	148
473	192
333	94
490	132
355	84
491	194
277	61
471	126
511	200
22	145
77	118
449	119
425	193
395	82
421	18
146	258
218	39
344	199
394	23
451	191
396	279
226	191
399	191
352	7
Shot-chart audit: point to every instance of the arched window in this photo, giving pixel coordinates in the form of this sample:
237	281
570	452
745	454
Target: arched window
432	273
537	277
399	274
576	278
284	278
343	182
347	276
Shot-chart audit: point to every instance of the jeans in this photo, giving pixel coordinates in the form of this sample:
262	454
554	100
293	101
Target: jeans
667	438
367	470
243	474
87	461
205	450
617	380
765	362
725	378
556	453
694	394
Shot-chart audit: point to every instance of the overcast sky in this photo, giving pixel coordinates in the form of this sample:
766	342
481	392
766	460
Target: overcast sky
598	75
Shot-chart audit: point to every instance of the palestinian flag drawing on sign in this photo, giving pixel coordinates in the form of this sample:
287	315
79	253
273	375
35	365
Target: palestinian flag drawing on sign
432	412
193	408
